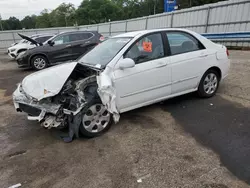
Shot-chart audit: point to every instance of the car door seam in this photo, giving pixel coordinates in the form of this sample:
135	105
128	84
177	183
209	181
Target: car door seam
185	79
145	90
146	70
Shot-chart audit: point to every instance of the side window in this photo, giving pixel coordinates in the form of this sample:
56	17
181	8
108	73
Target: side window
74	37
180	42
42	39
85	36
147	48
79	36
61	39
46	38
38	39
89	35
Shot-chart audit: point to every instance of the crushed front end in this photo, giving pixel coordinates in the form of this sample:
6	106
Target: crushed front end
57	109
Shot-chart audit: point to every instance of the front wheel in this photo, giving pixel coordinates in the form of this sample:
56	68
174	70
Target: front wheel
209	84
95	120
39	62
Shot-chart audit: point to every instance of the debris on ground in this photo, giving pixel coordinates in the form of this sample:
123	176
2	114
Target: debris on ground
15	186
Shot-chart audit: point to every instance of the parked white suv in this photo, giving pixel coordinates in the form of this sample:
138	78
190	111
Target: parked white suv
24	44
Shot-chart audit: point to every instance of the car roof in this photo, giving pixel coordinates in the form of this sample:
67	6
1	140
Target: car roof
137	34
142	32
43	35
72	32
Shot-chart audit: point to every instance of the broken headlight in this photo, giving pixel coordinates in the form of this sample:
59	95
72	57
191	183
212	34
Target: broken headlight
26	95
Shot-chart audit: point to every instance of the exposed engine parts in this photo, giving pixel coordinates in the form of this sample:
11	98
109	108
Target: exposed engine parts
63	108
51	121
71	99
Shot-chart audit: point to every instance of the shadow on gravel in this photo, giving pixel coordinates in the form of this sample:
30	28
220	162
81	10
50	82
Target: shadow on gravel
218	124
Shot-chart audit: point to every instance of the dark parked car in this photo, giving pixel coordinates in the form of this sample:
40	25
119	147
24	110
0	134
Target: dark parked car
62	47
24	45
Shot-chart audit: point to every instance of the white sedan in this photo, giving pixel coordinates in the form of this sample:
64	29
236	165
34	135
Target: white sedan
125	72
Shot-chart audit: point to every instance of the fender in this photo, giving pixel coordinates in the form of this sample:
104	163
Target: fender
43	54
215	68
22	49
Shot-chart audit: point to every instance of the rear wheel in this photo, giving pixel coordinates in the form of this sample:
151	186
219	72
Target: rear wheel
96	119
209	84
39	62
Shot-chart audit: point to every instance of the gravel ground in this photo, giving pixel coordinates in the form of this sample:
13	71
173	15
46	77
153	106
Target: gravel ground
183	142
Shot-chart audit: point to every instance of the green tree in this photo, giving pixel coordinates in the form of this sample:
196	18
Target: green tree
138	8
98	11
43	20
63	15
95	11
29	22
191	3
11	24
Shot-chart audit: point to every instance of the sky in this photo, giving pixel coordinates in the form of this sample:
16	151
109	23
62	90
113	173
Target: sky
22	8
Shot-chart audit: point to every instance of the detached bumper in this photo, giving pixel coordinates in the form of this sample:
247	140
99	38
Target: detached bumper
35	110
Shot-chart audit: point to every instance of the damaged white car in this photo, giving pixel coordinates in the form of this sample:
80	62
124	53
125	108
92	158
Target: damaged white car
125	72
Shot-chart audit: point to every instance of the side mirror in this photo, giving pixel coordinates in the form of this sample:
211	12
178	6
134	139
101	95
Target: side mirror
51	43
126	63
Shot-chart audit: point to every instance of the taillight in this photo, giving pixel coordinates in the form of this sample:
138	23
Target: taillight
227	52
102	38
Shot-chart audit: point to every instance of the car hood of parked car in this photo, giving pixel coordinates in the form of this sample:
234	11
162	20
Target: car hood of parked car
21	46
47	82
30	39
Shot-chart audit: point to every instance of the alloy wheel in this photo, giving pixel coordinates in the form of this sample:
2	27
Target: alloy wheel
210	83
96	118
39	63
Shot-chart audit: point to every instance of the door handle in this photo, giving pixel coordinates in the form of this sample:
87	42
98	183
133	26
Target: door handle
161	64
203	55
69	45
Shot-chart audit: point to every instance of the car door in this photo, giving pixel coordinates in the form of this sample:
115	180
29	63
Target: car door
149	80
61	49
81	43
189	60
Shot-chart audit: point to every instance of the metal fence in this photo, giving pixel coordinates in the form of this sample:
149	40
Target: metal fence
221	17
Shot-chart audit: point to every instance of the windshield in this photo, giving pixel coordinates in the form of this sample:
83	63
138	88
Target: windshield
103	53
52	38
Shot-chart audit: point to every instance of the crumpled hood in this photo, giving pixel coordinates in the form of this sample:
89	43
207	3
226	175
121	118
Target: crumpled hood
47	82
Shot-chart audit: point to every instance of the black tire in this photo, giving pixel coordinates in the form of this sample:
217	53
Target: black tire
202	92
92	102
43	62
